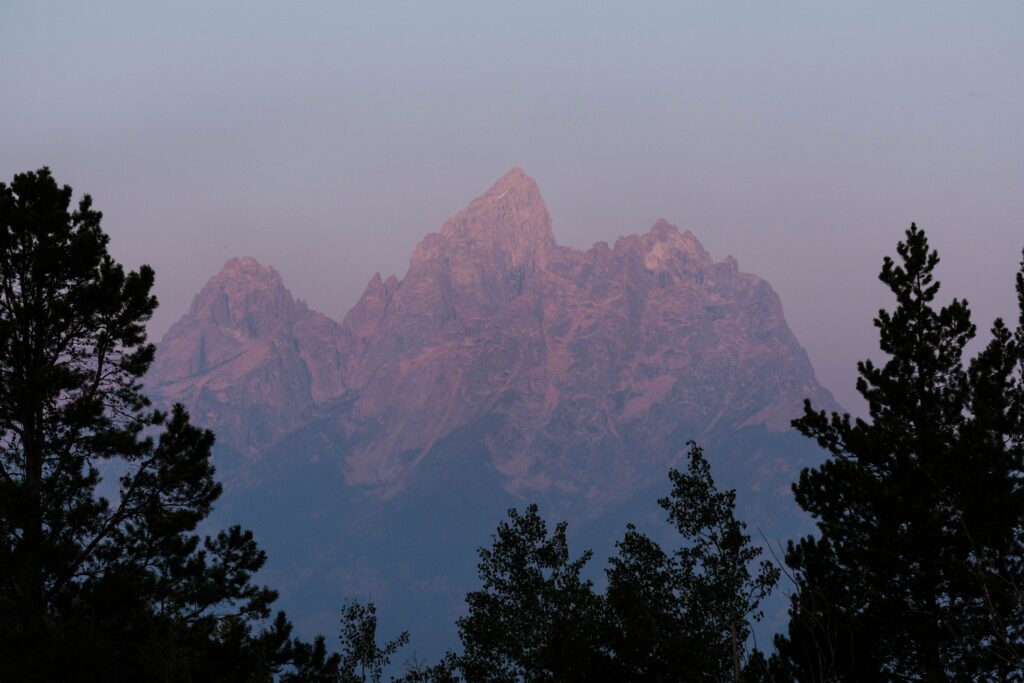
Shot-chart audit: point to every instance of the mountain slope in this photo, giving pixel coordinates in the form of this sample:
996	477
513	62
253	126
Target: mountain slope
594	367
373	455
248	360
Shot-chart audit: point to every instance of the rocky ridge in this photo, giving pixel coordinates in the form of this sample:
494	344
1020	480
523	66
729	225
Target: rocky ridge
576	376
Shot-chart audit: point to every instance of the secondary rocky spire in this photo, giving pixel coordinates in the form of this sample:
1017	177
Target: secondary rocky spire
248	359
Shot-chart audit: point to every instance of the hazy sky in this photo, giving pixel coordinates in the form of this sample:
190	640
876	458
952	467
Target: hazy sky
327	138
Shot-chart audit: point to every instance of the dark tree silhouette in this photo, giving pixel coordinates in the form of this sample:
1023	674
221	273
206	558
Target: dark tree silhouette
687	616
916	571
362	658
534	618
118	588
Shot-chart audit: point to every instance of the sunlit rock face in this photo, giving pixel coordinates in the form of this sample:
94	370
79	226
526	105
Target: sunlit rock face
575	376
249	361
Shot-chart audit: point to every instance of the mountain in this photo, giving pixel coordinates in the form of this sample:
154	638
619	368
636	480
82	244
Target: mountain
593	367
249	361
502	368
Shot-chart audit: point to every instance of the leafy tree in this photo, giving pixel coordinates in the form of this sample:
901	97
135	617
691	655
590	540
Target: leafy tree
361	656
419	671
534	618
916	571
97	588
687	616
302	662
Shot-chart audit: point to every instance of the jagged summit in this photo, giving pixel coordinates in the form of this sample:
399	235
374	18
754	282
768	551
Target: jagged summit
515	176
246	265
510	216
245	295
515	181
571	373
238	278
663	228
665	231
247	343
665	247
243	274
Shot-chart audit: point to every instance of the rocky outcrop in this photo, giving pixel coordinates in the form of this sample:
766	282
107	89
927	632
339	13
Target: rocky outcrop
580	373
249	361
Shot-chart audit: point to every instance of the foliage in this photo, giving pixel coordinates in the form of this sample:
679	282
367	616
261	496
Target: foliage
687	616
665	617
445	671
94	587
534	618
361	656
916	573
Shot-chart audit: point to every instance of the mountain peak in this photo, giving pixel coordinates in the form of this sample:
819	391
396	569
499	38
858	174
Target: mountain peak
667	244
245	295
571	374
510	216
518	183
515	177
246	267
662	228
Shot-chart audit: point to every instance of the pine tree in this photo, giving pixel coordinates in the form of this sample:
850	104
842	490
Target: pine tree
916	571
97	588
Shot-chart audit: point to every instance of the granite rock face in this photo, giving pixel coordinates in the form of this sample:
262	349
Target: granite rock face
248	360
579	374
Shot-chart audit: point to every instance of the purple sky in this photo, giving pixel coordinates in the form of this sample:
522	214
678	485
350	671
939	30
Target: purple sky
327	138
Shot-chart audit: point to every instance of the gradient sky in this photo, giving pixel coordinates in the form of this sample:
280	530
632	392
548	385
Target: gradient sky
327	138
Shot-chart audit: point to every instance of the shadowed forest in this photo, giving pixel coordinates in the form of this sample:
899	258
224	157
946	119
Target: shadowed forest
915	571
